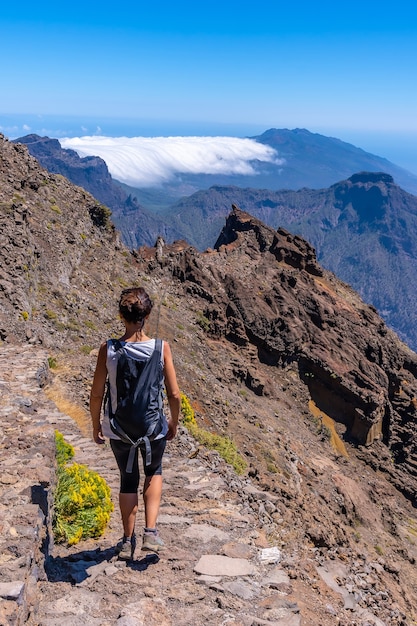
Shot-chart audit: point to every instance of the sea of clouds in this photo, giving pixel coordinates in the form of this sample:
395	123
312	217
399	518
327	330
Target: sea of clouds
151	161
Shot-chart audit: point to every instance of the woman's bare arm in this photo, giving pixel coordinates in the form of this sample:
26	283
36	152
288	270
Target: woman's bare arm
97	393
173	392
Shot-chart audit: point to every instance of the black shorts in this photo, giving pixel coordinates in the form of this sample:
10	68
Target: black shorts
129	483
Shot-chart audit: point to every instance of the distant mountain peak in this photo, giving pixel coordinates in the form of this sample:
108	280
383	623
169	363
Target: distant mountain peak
371	177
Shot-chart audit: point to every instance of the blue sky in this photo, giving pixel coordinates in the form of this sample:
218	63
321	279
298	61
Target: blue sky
221	68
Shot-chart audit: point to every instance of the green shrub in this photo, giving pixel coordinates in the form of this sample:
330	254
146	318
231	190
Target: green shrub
326	433
82	500
271	467
100	216
203	322
52	362
223	445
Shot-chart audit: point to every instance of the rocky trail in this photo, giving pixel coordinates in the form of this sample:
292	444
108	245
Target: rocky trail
219	565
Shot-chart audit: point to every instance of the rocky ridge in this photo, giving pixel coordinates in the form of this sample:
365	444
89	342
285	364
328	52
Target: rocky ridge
272	351
55	241
363	228
298	316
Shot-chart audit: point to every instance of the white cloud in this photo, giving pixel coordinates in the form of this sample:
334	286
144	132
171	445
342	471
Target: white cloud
26	128
148	161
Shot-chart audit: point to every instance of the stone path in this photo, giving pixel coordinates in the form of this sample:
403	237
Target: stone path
218	567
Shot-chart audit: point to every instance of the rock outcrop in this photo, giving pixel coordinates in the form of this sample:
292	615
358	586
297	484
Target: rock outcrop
264	290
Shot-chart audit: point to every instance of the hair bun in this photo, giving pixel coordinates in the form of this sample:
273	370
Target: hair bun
135	304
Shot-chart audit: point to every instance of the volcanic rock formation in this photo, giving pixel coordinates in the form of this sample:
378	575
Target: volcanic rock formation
264	291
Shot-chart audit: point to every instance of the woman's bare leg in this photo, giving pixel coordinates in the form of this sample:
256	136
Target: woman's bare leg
128	503
152	492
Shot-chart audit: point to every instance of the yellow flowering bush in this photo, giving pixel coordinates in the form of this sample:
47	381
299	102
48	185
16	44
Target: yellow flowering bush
82	502
188	415
223	445
63	450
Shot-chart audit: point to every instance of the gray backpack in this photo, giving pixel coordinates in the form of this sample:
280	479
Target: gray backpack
139	416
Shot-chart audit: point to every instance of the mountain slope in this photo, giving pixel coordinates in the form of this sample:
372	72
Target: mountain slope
314	160
272	350
282	339
61	256
264	291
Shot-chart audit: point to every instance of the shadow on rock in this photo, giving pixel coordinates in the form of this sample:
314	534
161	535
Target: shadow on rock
140	565
88	564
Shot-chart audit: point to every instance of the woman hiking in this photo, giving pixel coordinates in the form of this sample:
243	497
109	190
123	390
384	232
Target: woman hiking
135	307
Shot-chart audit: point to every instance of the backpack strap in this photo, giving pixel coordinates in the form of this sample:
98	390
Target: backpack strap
107	396
134	444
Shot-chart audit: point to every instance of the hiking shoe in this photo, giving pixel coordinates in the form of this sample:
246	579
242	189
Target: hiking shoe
152	542
128	548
